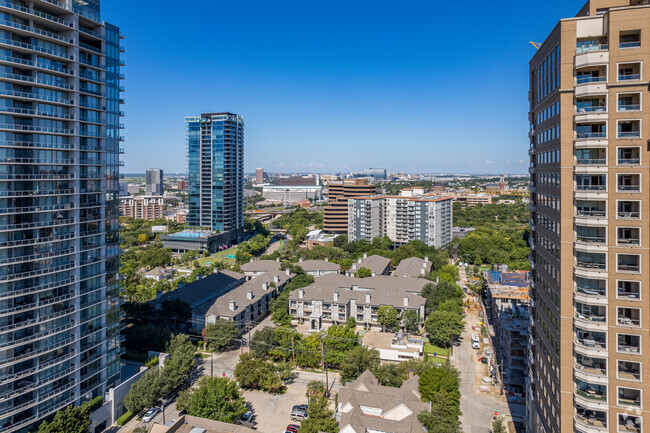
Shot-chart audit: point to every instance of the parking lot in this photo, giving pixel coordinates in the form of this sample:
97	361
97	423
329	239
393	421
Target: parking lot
272	412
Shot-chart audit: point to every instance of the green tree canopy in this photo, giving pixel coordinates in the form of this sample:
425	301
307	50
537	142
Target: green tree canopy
217	399
221	334
443	327
388	318
358	360
263	342
255	373
71	420
441	379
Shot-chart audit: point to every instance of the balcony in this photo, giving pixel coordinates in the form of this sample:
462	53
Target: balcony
589	365
628	183
628	290
629	209
597	341
629	343
629	129
591	391
628	370
628	236
594	418
629	423
629	102
587	135
629	72
628	263
630	317
629	40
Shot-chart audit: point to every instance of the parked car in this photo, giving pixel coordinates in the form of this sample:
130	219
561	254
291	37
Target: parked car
476	345
293	428
247	417
151	413
298	414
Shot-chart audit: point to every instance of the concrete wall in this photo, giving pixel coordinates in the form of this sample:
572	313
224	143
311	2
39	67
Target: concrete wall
114	406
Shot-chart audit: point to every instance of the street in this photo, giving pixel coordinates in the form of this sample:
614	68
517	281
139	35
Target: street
478	407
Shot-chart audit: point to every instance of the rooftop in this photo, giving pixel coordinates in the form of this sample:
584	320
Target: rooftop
318	265
261	266
413	267
377	264
389	340
203	290
190	234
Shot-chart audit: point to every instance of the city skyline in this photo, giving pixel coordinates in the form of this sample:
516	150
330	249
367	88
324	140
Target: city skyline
300	91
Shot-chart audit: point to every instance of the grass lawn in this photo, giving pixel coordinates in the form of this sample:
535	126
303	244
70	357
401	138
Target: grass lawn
221	255
431	349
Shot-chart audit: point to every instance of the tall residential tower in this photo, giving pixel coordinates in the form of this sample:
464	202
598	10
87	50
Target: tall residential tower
154	182
590	159
59	229
216	171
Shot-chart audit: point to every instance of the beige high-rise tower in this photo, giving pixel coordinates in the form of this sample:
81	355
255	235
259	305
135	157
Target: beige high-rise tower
590	183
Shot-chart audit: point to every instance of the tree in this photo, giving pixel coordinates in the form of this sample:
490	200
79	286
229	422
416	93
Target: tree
388	375
320	418
218	399
435	294
387	317
445	379
351	323
338	341
443	327
340	241
220	334
363	273
71	420
183	400
141	429
145	392
255	373
410	320
142	238
263	342
358	360
308	353
443	417
498	426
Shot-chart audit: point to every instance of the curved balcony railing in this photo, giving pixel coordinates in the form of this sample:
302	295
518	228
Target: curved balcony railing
45	271
37	96
32	257
38	320
41	288
51	347
39	336
591	265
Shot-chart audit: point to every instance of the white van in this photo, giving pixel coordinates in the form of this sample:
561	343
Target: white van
475	338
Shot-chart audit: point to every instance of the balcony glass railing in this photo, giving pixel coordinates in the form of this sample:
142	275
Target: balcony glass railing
591	265
628	188
591	213
591	291
629	241
632	44
632	107
591	239
591	187
592	343
591	161
629	161
587	135
591	317
588	48
628	348
629	134
629	77
628	321
591	394
592	109
589	79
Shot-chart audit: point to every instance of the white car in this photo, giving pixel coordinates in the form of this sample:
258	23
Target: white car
475	338
476	345
151	413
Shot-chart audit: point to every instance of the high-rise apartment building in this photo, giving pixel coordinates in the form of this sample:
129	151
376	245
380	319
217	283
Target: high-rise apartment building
59	236
401	218
142	207
216	173
154	182
335	215
590	130
259	176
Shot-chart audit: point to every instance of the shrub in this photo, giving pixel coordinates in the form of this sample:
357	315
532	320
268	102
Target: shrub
124	418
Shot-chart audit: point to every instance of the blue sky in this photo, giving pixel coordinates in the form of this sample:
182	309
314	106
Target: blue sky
335	86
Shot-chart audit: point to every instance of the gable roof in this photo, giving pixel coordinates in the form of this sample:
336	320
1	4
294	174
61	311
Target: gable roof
367	403
412	267
261	266
221	306
318	265
376	264
205	289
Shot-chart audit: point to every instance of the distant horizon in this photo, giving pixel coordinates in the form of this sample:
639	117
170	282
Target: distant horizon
176	174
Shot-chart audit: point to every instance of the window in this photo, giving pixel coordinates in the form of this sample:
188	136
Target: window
628	316
628	263
628	343
629	183
629	209
629	156
630	39
629	71
629	290
629	370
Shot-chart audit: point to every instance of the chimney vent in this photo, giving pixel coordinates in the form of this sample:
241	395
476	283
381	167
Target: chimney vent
367	298
249	294
276	279
301	293
232	305
365	255
265	286
336	296
406	301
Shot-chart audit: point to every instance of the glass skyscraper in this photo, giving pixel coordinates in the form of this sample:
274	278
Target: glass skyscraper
216	173
59	229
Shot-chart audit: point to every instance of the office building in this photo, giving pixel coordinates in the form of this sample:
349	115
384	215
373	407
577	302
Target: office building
259	176
335	215
376	173
589	105
124	189
154	182
295	181
59	237
292	194
402	219
216	173
142	207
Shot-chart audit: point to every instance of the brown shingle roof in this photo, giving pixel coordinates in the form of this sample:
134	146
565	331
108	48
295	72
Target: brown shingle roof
412	267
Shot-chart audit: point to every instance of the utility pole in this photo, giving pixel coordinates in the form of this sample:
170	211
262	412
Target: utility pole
293	352
327	382
211	364
162	406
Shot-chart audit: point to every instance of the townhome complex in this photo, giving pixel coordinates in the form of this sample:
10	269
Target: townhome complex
333	299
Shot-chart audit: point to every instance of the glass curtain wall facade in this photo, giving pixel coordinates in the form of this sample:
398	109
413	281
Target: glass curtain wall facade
216	173
59	232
